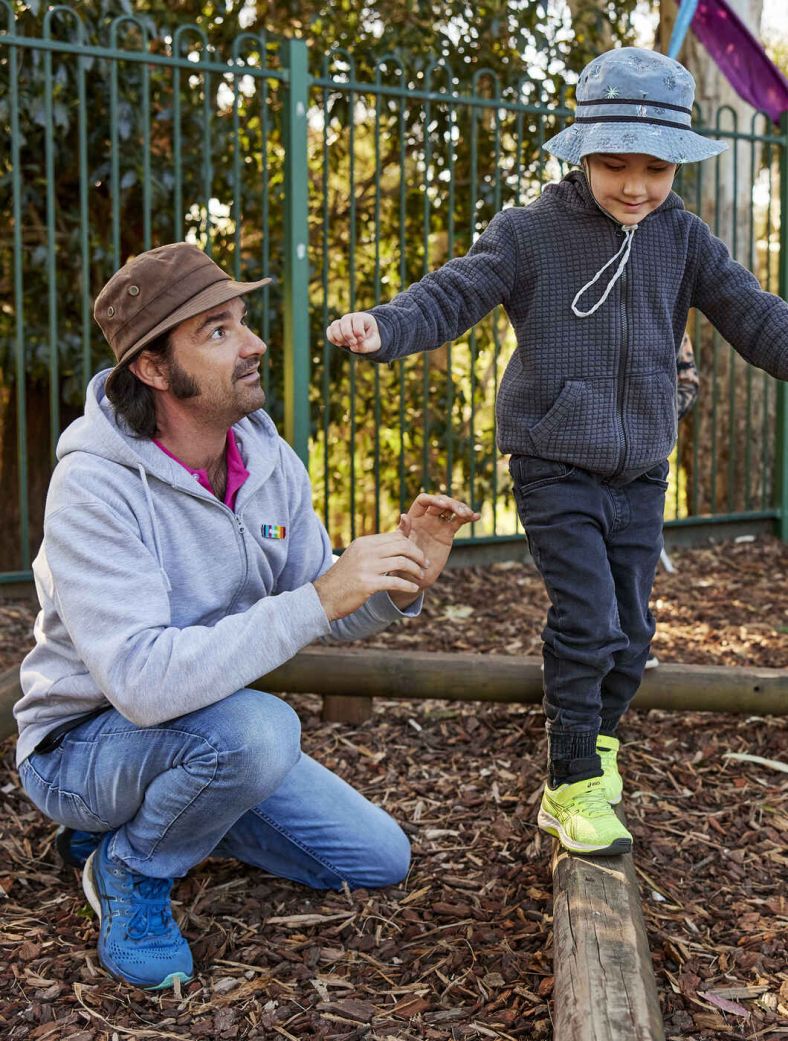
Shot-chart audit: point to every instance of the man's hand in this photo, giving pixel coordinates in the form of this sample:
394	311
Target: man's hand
368	566
357	331
432	522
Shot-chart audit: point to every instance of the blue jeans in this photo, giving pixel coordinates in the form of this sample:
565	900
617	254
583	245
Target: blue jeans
596	546
229	780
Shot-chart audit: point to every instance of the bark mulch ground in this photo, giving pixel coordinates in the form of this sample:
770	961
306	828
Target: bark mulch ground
462	948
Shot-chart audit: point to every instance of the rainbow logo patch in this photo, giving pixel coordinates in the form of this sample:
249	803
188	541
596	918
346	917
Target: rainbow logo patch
274	531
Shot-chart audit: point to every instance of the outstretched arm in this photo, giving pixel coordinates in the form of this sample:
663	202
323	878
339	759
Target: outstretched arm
754	322
439	307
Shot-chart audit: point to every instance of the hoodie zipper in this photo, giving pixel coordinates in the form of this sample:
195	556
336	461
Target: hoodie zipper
241	530
620	385
620	376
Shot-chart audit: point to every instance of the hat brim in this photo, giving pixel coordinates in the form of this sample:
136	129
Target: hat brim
666	143
214	295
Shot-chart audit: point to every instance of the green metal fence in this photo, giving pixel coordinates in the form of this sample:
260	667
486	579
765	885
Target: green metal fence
347	186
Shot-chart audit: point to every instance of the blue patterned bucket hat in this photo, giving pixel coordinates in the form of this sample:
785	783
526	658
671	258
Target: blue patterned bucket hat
632	100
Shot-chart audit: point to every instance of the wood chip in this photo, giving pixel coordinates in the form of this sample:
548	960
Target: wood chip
463	946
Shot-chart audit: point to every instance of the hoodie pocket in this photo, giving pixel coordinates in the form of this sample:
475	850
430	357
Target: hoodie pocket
650	417
581	425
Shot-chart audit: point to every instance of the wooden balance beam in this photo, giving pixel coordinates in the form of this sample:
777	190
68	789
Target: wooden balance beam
604	979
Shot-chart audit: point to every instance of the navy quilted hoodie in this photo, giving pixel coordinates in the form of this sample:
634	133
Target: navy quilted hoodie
598	392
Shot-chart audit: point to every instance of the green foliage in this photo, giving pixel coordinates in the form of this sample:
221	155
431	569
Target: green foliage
398	184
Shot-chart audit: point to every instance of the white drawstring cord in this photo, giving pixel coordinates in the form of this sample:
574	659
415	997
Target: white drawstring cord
626	246
155	526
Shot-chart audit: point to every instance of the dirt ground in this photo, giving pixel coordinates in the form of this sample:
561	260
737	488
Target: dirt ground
462	949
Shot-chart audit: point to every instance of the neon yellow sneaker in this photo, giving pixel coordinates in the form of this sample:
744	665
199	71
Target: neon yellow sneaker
582	819
607	750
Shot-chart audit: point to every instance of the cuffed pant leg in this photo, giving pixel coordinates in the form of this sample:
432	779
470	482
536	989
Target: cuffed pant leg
567	519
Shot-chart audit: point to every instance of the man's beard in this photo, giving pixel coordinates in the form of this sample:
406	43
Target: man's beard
184	386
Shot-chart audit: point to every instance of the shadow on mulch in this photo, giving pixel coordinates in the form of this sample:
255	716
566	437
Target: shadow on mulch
462	949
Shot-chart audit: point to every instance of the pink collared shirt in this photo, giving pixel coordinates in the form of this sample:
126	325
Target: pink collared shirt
236	471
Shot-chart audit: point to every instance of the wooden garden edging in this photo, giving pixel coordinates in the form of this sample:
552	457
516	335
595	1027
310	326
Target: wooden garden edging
604	979
462	676
349	679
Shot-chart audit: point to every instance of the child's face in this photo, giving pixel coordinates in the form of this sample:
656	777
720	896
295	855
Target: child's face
629	187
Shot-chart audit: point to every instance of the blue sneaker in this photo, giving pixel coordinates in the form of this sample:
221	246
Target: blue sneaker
75	847
139	941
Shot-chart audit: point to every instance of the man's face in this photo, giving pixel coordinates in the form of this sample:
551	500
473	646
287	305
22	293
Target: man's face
215	363
629	187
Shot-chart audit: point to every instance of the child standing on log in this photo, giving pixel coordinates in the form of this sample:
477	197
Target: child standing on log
597	277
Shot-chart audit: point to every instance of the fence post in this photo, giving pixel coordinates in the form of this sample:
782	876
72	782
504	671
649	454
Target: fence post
781	432
296	264
19	305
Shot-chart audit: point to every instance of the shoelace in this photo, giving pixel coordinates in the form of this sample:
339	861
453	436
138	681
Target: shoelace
593	802
154	916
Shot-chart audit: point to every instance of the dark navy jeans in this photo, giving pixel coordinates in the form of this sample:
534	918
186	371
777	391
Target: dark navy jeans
596	546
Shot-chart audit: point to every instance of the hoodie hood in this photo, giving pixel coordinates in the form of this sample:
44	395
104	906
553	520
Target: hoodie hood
577	194
101	432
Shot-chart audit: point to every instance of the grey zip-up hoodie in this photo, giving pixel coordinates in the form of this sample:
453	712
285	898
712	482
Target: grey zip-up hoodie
158	598
595	389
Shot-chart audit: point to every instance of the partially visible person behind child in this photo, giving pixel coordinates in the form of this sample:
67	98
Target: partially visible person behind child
688	381
597	277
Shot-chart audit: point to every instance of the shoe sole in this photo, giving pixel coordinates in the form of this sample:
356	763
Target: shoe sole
89	886
553	827
91	892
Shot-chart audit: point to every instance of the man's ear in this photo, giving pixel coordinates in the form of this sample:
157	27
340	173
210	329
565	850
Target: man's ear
152	370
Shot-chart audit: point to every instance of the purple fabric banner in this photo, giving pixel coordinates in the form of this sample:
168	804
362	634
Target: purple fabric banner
741	58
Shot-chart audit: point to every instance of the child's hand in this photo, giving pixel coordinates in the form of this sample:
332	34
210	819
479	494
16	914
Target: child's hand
357	331
432	522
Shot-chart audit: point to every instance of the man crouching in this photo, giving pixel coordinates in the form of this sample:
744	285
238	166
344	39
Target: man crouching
182	560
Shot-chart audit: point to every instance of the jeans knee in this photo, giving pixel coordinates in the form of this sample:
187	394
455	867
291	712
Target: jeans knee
388	861
579	650
396	865
260	741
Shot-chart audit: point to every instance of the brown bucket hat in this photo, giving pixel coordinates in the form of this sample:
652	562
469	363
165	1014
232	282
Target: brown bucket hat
158	290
